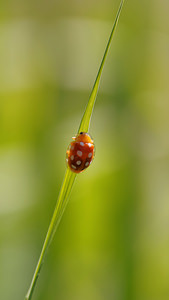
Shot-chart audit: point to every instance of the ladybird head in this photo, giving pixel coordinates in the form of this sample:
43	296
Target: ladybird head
83	137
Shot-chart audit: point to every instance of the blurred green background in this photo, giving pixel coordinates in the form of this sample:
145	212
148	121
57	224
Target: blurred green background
113	240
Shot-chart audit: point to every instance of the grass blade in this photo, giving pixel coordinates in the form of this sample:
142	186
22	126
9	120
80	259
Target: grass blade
70	176
85	122
58	212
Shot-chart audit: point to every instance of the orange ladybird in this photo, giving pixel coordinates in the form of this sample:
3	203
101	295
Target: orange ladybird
80	152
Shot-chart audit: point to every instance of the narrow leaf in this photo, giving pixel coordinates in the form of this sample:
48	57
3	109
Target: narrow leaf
85	122
70	176
58	212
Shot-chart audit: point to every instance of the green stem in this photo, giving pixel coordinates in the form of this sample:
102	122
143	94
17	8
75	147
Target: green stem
85	122
70	176
58	212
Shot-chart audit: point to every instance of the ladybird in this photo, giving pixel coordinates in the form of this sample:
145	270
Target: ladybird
80	152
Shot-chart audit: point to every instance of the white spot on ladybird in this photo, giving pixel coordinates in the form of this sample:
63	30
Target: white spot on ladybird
72	157
81	143
86	164
90	154
78	162
74	167
72	147
79	153
89	144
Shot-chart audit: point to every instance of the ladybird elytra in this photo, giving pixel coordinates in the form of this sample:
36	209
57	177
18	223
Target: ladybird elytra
80	152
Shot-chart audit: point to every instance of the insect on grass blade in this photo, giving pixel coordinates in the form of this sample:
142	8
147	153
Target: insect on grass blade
70	176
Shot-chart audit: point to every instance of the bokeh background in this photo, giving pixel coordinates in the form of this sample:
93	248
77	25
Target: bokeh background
113	240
